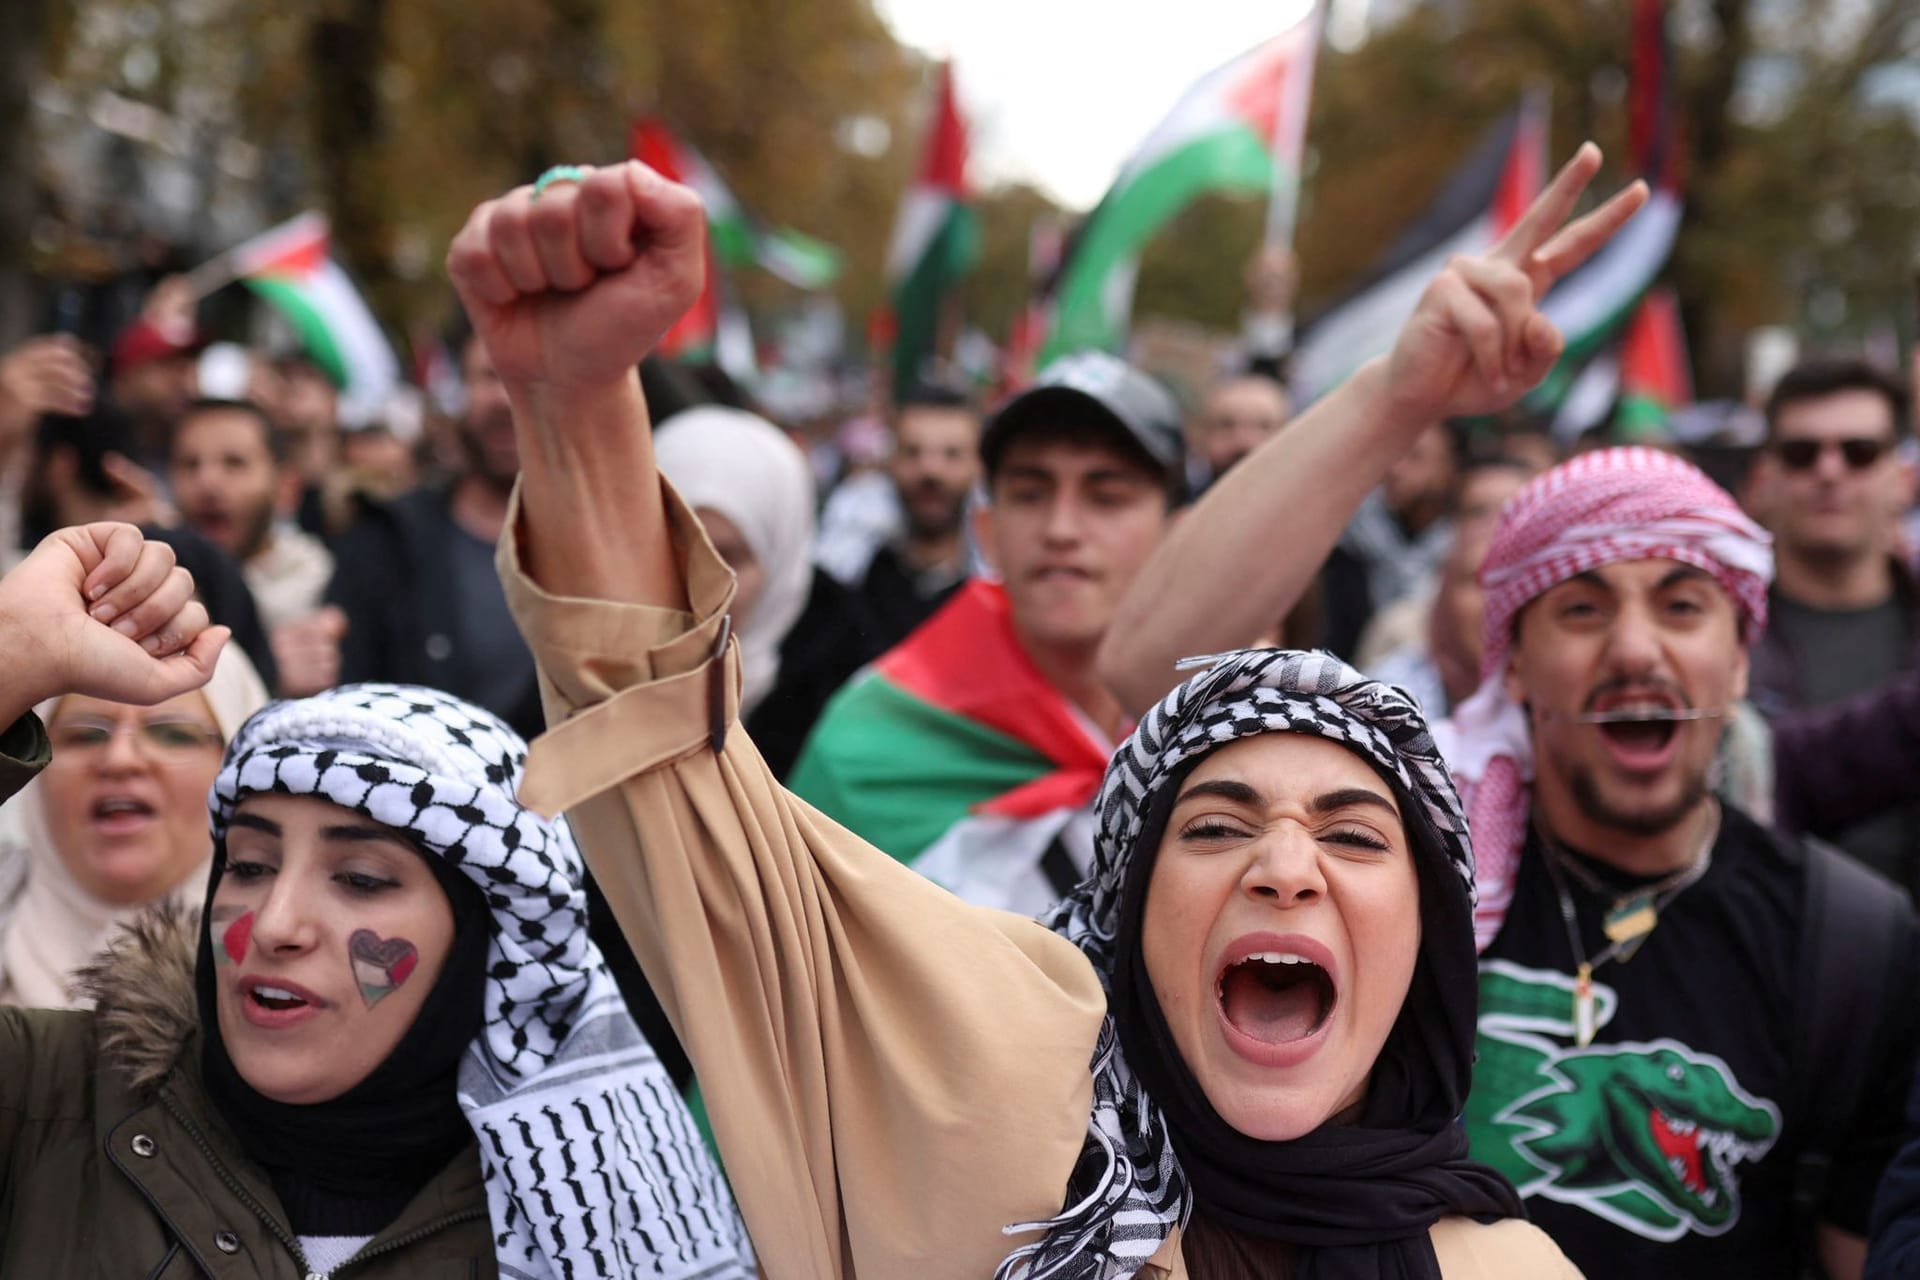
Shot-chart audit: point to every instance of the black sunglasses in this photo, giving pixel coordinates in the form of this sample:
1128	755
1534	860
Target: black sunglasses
1860	452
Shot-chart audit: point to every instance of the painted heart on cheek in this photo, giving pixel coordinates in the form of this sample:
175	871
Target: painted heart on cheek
380	964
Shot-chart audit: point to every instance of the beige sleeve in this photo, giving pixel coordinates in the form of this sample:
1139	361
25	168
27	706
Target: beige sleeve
1510	1249
892	1075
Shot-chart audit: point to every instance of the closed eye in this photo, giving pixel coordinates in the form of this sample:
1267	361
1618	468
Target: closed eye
1358	838
363	884
1212	829
248	870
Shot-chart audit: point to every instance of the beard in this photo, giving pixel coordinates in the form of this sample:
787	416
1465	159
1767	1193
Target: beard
254	532
933	512
1643	821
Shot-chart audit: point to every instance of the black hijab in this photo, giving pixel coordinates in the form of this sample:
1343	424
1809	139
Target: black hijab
1345	1202
350	1165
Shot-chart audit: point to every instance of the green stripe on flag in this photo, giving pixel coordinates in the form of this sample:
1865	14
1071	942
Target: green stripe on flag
315	335
1234	159
918	300
899	771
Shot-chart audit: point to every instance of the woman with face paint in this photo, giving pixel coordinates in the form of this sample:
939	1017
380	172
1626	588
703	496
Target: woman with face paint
387	1048
1241	1047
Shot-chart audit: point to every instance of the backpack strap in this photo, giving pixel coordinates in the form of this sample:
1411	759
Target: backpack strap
1854	920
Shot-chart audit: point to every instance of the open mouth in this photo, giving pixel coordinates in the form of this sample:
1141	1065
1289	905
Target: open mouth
120	813
276	999
1639	725
1276	997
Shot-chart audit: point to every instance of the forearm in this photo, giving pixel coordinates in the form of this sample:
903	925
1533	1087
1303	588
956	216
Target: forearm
1242	557
593	524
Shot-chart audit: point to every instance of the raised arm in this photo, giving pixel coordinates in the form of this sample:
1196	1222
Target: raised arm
1475	343
569	289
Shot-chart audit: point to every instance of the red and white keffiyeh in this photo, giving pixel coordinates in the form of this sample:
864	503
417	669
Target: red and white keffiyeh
1597	509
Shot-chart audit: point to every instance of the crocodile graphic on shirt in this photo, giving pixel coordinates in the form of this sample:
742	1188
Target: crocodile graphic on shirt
1649	1135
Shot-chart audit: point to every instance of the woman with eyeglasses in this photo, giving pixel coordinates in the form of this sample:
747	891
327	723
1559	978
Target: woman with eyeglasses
117	822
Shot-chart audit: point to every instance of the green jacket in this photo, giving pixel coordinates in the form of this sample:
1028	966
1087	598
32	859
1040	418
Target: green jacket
113	1162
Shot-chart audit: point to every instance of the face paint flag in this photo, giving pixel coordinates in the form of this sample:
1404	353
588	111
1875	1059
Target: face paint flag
235	939
380	964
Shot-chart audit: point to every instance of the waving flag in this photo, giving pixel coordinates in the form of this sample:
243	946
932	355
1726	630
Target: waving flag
739	239
1226	135
935	239
1478	205
292	268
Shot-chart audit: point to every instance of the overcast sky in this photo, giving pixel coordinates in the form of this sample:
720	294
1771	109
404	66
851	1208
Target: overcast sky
1059	91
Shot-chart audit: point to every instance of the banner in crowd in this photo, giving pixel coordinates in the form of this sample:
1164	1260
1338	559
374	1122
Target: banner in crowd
292	268
935	239
1227	135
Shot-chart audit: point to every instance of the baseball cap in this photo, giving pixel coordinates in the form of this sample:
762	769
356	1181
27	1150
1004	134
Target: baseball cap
1132	401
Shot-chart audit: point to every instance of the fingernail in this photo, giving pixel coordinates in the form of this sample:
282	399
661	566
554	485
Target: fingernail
151	644
96	591
102	612
125	626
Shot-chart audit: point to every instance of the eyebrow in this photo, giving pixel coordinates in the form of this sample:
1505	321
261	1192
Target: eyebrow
1238	792
342	831
1683	573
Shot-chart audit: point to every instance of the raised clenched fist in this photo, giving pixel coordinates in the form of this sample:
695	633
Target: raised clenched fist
568	291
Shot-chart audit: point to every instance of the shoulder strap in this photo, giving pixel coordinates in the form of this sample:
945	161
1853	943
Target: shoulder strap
1854	919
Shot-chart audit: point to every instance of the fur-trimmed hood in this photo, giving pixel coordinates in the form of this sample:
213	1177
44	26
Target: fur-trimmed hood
141	986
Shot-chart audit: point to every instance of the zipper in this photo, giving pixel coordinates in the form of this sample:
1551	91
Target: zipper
234	1185
285	1237
408	1240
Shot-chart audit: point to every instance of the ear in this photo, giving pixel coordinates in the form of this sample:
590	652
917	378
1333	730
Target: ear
1742	664
1516	687
286	499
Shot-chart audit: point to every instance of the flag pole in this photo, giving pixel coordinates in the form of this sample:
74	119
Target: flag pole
211	276
1290	134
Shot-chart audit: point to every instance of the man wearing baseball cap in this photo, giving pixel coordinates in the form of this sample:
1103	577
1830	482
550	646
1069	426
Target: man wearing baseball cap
973	748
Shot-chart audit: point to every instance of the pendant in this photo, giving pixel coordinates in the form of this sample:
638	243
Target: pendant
1629	922
1583	1027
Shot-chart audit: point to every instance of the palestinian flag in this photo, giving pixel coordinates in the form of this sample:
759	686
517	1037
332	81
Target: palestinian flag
1654	379
954	754
1476	207
1591	304
739	239
292	268
935	239
1227	135
715	328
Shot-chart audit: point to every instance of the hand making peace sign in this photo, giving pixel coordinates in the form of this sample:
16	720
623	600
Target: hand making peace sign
1477	340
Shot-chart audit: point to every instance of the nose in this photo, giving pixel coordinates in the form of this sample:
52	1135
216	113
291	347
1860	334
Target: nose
1830	464
1063	521
123	753
281	924
1634	641
1284	870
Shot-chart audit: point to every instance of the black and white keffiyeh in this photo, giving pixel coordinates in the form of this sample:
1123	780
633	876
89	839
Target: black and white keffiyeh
1129	1190
592	1163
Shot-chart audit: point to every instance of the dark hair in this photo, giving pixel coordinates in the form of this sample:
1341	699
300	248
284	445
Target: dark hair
933	395
1083	424
1814	379
271	434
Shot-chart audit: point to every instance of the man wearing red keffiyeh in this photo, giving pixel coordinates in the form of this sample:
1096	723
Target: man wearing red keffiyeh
1642	943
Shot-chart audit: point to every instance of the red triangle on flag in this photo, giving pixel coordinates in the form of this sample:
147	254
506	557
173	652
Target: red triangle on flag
943	164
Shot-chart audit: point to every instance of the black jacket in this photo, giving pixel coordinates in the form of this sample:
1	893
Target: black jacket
394	579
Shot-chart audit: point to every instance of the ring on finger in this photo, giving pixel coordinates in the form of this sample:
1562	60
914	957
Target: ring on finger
559	173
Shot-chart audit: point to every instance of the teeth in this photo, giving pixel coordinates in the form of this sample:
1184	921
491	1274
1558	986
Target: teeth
1276	957
275	993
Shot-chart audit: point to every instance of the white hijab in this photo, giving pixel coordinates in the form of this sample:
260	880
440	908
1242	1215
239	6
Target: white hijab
748	470
49	925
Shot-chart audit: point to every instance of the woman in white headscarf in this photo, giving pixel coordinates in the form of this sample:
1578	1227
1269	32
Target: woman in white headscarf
117	822
801	633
